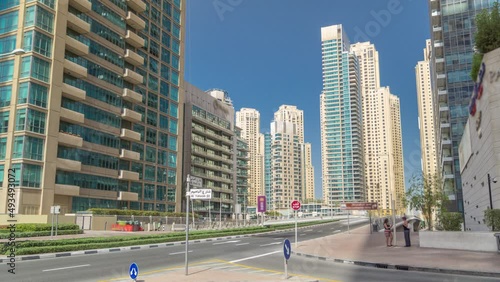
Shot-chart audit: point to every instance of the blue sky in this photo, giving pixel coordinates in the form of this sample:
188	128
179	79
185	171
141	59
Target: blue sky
267	53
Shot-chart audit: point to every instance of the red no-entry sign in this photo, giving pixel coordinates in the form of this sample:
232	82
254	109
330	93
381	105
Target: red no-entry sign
295	205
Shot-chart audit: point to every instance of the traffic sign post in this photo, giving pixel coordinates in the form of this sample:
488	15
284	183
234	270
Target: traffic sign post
295	206
287	251
133	271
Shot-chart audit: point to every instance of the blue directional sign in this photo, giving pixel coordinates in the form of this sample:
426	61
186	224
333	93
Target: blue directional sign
133	271
287	249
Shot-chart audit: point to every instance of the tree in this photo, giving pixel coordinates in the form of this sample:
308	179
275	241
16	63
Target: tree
426	195
487	37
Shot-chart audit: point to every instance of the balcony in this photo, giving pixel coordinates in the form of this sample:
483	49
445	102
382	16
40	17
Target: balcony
83	6
443	107
77	24
129	135
441	80
128	175
133	58
134	39
131	96
128	196
71	116
68	165
446	142
132	77
434	4
73	93
70	140
437	32
74	69
137	5
132	116
129	155
440	65
134	21
76	46
67	190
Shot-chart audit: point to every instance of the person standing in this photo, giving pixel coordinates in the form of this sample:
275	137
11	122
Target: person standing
388	232
406	232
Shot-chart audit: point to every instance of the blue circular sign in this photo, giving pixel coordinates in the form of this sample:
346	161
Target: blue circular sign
287	249
133	271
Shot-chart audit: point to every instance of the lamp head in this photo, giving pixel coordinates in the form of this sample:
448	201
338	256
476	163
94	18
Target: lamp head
18	51
494	180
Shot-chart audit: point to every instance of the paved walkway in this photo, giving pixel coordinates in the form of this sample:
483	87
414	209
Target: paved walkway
357	246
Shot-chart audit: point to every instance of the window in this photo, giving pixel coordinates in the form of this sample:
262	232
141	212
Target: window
33	93
175	78
137	167
106	54
4	121
172	177
87	181
176	31
173	110
38	42
173	126
172	143
139	148
5	94
35	121
167	25
165	56
162	157
28	147
152	118
162	140
91	135
172	159
174	94
92	113
3	148
163	122
6	70
175	62
164	88
139	129
165	39
176	47
136	187
31	175
153	83
165	71
7	4
105	74
88	158
107	34
108	14
7	44
150	154
8	22
149	173
151	136
36	68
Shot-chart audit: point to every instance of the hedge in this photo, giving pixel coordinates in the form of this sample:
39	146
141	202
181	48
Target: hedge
492	218
5	235
35	227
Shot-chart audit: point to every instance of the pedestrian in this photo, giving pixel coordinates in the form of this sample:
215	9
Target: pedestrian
388	232
406	231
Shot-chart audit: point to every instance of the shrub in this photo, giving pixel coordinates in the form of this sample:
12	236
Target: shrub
477	59
451	221
492	218
99	211
37	227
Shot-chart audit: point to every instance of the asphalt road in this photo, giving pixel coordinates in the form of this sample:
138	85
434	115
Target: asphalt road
264	252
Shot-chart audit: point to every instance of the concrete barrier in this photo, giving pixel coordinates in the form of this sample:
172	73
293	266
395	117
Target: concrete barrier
457	240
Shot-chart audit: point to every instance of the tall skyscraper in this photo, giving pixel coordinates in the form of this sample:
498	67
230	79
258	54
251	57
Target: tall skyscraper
383	153
452	29
426	114
267	168
308	193
340	117
293	115
286	160
249	122
91	116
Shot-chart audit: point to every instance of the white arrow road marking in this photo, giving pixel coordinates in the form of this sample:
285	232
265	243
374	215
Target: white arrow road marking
227	242
263	255
275	243
178	253
68	267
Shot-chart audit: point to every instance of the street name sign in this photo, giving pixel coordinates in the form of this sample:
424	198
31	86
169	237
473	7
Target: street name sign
195	181
200	194
361	206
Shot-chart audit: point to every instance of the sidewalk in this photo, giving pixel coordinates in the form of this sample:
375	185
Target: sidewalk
358	247
363	248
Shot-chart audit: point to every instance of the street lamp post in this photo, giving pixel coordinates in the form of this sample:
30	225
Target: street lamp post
489	190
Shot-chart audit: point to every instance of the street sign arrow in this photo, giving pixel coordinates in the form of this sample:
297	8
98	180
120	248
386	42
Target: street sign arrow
133	271
287	248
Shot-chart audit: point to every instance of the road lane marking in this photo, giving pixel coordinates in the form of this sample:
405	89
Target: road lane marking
302	234
275	243
227	242
242	244
337	231
68	267
258	256
178	253
278	238
308	230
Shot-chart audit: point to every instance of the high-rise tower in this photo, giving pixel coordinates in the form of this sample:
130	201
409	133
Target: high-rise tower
249	122
341	124
92	118
426	114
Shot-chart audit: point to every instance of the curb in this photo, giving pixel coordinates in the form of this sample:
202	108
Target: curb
402	267
4	259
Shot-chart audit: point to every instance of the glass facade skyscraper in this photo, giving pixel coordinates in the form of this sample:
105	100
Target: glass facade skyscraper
341	121
452	29
90	114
